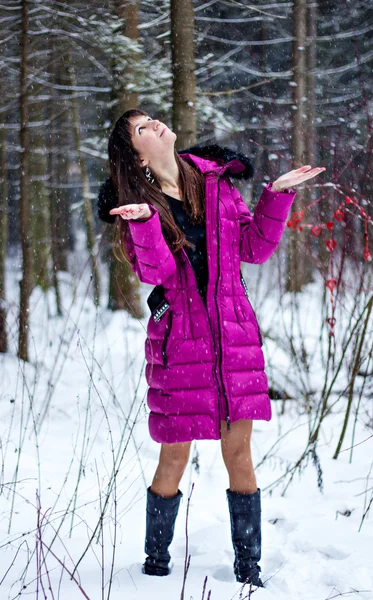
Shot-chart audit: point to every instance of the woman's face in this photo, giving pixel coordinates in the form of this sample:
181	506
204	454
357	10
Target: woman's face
151	138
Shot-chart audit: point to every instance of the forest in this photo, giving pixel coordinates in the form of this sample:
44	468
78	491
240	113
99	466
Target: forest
286	83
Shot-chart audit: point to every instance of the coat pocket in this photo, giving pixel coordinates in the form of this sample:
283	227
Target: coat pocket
157	303
165	339
248	299
159	327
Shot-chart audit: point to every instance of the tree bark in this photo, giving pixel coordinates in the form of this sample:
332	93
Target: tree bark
26	242
62	206
184	120
311	55
38	194
299	266
129	11
124	287
3	237
312	155
256	183
86	194
52	190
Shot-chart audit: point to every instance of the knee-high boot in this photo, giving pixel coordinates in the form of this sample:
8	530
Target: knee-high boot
245	516
161	515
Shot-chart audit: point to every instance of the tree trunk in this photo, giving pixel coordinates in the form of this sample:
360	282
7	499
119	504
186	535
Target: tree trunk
129	11
311	54
299	267
256	183
124	287
312	155
52	190
38	194
183	71
62	206
86	194
26	282
3	237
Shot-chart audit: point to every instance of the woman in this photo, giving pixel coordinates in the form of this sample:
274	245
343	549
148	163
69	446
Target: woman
184	228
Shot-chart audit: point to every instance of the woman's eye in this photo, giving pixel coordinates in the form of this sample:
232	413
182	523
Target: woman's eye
140	128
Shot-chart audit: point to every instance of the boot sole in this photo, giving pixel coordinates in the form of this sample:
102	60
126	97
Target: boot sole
155	571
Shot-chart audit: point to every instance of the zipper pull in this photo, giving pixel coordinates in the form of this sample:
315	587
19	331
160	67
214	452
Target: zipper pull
228	423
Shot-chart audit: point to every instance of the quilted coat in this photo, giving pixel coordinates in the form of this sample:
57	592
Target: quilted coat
205	363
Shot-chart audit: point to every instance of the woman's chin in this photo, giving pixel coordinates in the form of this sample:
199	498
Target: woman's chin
169	138
169	135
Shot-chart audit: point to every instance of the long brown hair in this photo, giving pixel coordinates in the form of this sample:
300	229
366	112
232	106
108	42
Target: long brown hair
133	187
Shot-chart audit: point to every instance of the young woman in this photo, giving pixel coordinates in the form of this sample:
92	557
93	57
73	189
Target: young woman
184	228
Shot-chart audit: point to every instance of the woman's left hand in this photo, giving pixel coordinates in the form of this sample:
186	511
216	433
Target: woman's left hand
296	177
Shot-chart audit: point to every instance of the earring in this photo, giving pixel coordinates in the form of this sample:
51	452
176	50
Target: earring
148	175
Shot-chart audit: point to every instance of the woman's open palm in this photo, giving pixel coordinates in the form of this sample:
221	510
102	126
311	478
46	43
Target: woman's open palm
132	211
296	176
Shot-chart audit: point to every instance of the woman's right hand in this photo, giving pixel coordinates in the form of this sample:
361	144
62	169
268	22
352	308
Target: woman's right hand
132	211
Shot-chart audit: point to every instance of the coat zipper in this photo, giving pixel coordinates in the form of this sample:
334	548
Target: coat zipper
217	312
247	296
210	330
165	339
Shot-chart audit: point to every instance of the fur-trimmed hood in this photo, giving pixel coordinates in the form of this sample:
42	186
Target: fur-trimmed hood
235	163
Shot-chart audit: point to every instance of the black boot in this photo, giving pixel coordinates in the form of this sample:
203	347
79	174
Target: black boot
161	515
245	514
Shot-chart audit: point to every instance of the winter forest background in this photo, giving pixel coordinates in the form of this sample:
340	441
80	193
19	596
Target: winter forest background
287	83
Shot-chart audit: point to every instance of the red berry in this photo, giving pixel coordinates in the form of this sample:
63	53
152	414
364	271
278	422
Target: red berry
298	216
339	215
316	231
331	284
331	245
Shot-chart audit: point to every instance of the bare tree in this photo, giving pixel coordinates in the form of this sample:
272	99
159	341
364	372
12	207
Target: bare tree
311	55
86	193
123	285
52	185
262	132
299	268
25	233
183	70
61	204
38	192
3	236
129	12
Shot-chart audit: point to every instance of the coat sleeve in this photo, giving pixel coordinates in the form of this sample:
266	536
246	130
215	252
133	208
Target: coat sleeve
260	233
150	257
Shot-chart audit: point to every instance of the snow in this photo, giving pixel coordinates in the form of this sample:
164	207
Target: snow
74	433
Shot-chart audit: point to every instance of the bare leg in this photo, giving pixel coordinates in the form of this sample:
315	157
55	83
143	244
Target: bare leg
235	445
173	460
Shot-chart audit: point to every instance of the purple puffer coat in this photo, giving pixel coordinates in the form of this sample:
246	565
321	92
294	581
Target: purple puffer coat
205	363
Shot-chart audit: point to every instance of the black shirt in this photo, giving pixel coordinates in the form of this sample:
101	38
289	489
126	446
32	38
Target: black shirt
195	233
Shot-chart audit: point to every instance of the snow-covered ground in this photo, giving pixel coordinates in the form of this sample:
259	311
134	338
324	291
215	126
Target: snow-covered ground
75	446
